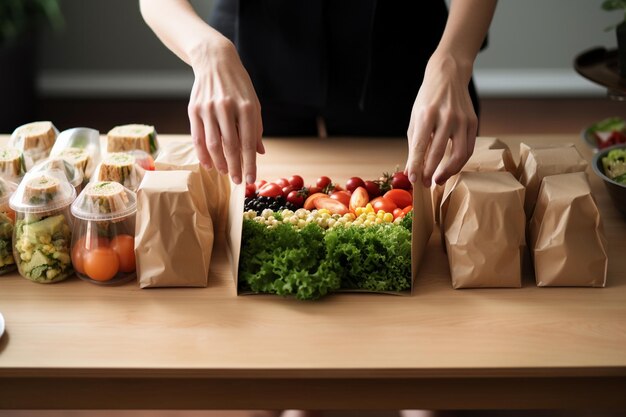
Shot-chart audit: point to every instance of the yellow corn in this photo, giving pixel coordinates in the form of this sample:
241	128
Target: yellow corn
388	217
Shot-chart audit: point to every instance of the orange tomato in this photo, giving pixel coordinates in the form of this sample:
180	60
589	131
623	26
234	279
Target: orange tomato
397	213
334	206
385	204
342	196
101	263
81	247
407	209
124	247
309	204
359	198
402	198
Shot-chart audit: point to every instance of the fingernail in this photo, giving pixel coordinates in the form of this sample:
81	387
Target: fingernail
223	171
413	178
236	180
250	179
427	182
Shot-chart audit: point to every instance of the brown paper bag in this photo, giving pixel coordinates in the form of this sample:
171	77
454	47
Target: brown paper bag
484	230
543	162
174	232
181	155
487	143
566	234
524	150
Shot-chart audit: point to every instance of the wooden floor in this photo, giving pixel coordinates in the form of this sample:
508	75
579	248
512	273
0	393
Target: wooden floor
498	116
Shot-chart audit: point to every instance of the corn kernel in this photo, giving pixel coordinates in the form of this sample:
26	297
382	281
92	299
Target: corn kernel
323	211
349	216
379	220
388	217
369	208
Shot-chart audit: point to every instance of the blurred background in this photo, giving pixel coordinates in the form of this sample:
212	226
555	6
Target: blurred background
99	65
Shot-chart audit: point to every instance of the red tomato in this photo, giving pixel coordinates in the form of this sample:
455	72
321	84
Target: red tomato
124	247
353	183
250	190
271	190
283	182
384	204
287	190
401	181
323	182
296	182
314	189
260	183
401	198
397	213
342	196
296	198
309	204
359	198
373	190
334	206
101	264
82	247
407	209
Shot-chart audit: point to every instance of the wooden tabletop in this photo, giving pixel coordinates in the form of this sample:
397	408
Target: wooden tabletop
77	345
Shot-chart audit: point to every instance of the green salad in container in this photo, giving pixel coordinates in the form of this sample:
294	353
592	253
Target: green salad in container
614	164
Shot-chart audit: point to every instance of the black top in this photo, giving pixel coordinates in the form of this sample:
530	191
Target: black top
358	63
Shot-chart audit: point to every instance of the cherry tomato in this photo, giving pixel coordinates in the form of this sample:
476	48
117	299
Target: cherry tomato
296	198
401	181
260	183
101	264
373	190
296	182
271	190
353	183
359	198
401	198
397	213
342	196
283	182
287	190
81	247
384	204
309	204
334	206
314	189
407	209
323	182
250	190
124	247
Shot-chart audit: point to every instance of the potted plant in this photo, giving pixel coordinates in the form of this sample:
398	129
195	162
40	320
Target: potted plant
620	30
20	21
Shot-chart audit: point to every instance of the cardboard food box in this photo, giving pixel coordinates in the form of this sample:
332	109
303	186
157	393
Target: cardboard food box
421	231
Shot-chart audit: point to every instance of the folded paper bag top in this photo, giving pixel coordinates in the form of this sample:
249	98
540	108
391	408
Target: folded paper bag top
174	237
566	234
484	230
543	162
181	155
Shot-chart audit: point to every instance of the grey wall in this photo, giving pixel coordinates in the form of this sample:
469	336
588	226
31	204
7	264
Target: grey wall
106	49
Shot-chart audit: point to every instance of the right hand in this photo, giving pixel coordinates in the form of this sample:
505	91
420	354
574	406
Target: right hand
224	112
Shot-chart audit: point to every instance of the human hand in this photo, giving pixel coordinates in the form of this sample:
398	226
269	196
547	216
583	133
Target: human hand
224	112
443	110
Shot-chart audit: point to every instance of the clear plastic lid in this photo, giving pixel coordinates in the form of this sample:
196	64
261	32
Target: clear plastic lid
73	175
7	188
12	164
105	200
80	147
35	140
121	167
43	191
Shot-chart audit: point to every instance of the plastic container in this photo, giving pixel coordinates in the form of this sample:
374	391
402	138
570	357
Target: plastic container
80	147
7	222
43	228
103	245
12	164
133	136
35	140
73	175
123	167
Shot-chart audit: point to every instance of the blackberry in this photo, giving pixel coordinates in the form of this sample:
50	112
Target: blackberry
259	203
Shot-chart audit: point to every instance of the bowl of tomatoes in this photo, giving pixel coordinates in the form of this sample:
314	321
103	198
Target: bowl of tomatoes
103	236
605	133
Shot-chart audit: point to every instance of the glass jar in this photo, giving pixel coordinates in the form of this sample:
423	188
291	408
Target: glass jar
103	245
43	228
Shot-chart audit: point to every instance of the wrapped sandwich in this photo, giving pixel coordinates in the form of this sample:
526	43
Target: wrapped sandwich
35	140
130	137
12	165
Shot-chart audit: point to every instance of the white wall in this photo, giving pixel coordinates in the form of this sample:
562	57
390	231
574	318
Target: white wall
107	50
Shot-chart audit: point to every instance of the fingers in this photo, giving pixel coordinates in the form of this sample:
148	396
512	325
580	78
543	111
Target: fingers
419	139
226	116
198	136
458	157
249	136
435	153
214	141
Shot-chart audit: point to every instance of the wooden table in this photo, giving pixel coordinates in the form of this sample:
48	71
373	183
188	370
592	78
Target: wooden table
76	345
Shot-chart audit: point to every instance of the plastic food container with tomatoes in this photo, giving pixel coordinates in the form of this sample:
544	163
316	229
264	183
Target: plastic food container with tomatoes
43	227
7	221
103	243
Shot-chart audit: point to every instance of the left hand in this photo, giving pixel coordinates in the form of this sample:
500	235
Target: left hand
443	110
